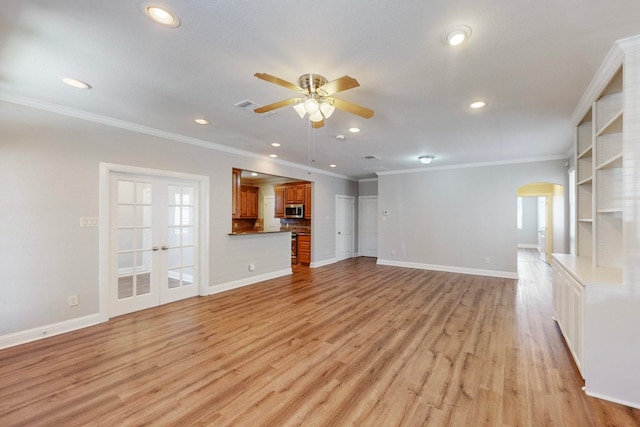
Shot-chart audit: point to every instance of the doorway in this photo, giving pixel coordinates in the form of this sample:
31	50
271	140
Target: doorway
548	201
155	246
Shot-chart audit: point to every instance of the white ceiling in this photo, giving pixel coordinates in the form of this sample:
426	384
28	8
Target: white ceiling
530	60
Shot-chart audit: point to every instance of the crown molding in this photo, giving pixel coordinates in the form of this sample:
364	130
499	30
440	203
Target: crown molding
133	127
476	165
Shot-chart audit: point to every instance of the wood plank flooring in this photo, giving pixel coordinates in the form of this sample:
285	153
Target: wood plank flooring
353	343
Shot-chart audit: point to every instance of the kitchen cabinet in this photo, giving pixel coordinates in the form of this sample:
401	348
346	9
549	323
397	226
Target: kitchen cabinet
279	191
248	202
307	201
236	176
304	248
294	194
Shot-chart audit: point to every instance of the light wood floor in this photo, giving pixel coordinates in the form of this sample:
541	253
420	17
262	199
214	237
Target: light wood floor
348	344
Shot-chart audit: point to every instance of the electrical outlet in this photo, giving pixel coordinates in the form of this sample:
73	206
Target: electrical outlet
252	267
393	251
487	260
73	300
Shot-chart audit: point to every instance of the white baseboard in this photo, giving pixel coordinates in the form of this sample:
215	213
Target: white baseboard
527	246
42	332
248	281
448	269
614	400
323	263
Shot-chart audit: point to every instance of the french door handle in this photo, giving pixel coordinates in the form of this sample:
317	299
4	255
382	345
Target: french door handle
164	248
155	248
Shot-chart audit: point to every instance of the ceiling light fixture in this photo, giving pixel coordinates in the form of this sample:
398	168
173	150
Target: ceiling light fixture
275	144
76	83
201	121
162	16
254	174
273	155
333	166
478	104
425	160
354	130
456	36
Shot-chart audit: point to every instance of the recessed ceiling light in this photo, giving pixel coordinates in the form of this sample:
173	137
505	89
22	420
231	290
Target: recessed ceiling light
456	36
478	104
426	159
332	166
254	173
202	121
354	130
162	16
275	144
340	137
273	155
76	83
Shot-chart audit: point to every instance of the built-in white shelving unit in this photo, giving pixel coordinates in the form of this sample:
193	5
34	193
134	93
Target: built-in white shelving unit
593	289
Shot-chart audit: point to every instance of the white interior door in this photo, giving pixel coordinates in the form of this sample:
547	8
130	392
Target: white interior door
368	226
270	223
153	242
345	206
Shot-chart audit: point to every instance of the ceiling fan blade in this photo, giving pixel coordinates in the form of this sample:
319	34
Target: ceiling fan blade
337	85
352	108
317	125
275	105
273	79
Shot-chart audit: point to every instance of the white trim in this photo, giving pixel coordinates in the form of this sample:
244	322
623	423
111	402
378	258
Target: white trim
448	269
106	169
527	245
368	180
323	263
47	331
612	399
248	281
121	124
476	165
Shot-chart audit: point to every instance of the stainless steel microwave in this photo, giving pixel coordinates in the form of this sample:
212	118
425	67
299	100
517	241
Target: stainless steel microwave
294	211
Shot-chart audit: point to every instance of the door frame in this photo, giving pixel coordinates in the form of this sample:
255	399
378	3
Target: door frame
106	169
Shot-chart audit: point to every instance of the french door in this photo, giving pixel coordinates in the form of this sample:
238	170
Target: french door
153	241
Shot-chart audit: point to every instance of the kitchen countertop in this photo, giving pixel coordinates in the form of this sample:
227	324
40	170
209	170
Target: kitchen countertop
246	233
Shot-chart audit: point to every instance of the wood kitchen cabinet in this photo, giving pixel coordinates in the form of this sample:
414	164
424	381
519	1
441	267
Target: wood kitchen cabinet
307	201
304	248
236	176
294	194
279	191
248	202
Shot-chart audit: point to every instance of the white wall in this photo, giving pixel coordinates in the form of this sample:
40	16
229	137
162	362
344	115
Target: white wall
49	178
453	219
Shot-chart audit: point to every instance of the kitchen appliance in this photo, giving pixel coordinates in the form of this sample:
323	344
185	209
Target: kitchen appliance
294	247
294	211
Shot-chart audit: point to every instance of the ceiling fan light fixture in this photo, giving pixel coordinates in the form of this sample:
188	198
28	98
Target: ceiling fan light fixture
316	117
311	105
425	160
327	109
300	109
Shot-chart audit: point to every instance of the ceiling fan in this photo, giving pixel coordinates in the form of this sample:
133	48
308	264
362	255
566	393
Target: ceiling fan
316	97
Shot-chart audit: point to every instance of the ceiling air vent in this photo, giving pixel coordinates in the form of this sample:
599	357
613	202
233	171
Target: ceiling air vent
248	106
372	157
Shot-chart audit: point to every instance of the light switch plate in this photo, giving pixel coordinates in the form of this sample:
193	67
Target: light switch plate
88	221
